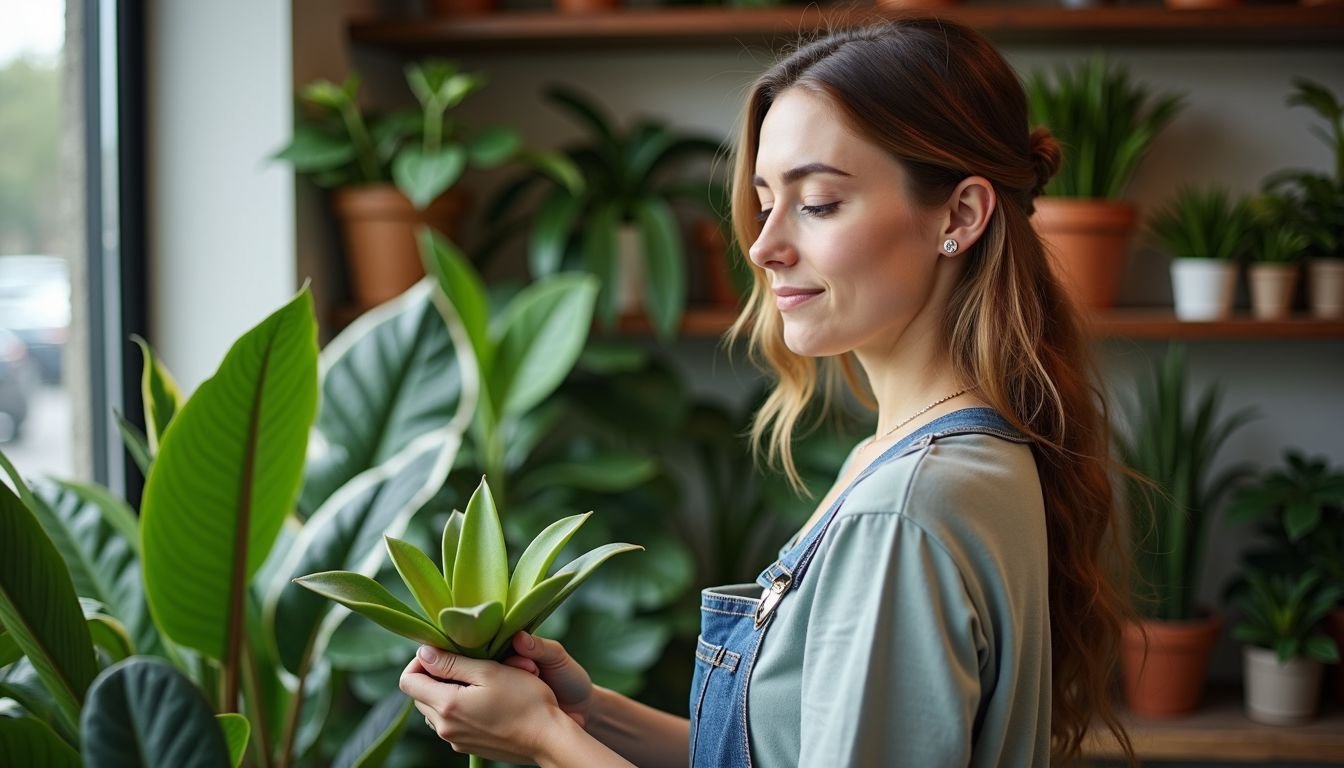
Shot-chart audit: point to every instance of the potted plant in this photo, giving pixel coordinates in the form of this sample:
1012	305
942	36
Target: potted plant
1275	257
621	225
392	174
1106	125
1284	652
1205	232
1299	509
1318	203
1164	659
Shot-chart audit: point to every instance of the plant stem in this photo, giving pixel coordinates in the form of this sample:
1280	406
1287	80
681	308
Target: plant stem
433	126
359	134
292	717
252	697
475	761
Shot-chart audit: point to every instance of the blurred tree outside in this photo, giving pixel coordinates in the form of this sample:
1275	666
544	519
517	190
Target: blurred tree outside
30	133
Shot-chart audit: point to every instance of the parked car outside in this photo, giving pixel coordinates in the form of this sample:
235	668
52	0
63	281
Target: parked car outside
35	306
18	379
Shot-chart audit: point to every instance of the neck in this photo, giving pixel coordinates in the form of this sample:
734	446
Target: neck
909	376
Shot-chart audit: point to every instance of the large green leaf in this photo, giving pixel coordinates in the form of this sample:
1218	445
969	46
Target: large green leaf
345	535
160	392
371	600
462	286
39	610
665	265
96	535
423	176
20	682
142	712
374	737
481	567
224	479
29	742
389	378
542	334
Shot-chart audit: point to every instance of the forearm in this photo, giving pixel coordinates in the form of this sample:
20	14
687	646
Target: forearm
645	736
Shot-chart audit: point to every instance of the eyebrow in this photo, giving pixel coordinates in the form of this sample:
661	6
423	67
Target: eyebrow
794	174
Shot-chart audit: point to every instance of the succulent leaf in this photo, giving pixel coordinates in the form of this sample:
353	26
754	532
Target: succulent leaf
481	569
539	555
371	600
473	627
421	576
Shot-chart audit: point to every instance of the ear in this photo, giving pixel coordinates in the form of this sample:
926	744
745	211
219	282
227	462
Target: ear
967	212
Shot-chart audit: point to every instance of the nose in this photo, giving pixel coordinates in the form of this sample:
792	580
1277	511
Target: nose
772	249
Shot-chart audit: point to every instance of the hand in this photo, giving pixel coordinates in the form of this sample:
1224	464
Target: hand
569	681
482	707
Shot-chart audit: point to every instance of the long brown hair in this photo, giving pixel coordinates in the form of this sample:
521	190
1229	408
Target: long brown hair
941	100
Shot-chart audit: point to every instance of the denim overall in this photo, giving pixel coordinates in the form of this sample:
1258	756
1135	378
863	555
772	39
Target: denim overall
734	619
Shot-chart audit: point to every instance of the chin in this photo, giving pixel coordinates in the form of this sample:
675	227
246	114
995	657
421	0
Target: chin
806	342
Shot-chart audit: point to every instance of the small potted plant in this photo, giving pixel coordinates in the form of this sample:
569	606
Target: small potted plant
1106	124
1299	510
1275	257
392	174
620	226
1318	203
1284	652
1164	659
1205	233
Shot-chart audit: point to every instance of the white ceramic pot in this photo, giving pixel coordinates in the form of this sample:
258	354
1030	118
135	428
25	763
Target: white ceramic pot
1325	283
1203	288
1280	693
629	269
1272	290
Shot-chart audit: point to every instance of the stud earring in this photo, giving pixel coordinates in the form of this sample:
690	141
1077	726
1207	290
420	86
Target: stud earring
950	246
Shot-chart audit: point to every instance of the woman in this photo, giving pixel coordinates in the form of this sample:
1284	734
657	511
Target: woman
949	603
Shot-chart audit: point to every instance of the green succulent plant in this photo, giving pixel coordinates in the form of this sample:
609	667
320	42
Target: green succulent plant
1203	224
1105	122
472	606
1281	612
1317	199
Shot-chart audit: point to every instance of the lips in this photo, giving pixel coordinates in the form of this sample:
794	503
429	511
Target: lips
789	298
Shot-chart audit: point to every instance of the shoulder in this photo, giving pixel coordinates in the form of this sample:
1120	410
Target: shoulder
975	494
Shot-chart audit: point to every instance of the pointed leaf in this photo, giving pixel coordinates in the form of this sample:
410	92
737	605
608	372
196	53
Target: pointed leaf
392	376
224	479
580	569
142	712
237	730
452	534
376	735
111	635
544	329
523	613
493	146
472	627
162	398
421	576
29	742
665	265
537	558
38	608
135	441
371	600
462	286
481	568
423	176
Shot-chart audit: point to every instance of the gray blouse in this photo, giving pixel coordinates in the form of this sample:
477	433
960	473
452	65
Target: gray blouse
920	634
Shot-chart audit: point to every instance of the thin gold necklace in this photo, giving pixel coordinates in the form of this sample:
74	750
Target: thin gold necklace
916	414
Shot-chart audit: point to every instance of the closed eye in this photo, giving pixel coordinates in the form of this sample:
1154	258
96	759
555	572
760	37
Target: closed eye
810	210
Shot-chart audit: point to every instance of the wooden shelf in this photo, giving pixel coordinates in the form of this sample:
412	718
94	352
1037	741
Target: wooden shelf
686	26
1220	730
1117	324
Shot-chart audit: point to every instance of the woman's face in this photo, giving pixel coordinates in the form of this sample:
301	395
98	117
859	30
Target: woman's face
840	233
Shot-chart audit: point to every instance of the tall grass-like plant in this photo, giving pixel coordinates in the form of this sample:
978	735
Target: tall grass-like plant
1203	224
1275	237
1105	122
1174	448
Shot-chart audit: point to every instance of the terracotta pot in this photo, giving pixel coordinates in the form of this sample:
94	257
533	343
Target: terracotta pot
586	6
1087	240
462	7
714	258
1272	288
1168	680
1280	692
380	227
1334	626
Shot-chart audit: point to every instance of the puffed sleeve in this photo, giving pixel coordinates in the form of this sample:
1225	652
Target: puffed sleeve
891	670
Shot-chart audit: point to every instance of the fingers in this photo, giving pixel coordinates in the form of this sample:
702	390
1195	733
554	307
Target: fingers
451	666
525	664
547	653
